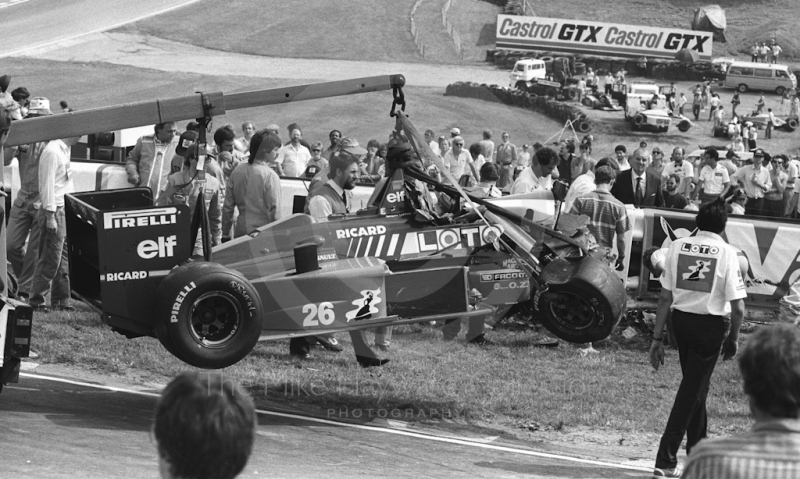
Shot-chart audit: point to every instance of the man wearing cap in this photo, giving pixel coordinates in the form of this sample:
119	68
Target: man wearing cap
684	169
755	181
184	187
150	161
24	211
254	188
454	132
52	264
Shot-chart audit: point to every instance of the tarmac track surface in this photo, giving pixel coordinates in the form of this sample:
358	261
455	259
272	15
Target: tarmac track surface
54	428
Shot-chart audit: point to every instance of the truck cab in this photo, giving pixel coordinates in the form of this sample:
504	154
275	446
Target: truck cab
527	69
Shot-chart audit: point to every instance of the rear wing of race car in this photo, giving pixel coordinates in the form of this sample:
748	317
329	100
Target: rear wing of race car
120	248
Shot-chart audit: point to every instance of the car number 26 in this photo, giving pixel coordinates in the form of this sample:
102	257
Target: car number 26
317	314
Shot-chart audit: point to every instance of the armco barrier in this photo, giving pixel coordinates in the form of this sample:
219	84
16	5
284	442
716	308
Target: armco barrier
552	108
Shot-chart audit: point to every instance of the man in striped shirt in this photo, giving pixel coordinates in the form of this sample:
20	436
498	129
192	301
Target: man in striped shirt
607	215
770	366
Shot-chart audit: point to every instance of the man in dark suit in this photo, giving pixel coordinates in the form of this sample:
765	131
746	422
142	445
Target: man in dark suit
637	186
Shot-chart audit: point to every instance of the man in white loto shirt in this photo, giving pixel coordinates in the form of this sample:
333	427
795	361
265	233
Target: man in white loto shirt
52	266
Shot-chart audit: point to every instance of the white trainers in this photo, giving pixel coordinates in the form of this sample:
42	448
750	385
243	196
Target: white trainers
674	472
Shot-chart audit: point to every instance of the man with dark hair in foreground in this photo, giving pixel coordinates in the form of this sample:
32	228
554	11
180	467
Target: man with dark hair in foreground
770	366
204	427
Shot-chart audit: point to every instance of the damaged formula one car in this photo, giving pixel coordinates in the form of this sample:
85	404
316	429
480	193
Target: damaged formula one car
391	263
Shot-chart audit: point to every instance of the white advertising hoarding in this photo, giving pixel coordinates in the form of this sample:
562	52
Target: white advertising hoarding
614	39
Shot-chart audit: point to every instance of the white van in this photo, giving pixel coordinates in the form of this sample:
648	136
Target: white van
526	70
759	76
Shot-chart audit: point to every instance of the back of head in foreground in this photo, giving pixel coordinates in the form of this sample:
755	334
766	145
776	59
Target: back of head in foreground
204	427
770	366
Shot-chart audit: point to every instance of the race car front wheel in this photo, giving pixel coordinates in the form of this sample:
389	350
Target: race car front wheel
208	316
583	301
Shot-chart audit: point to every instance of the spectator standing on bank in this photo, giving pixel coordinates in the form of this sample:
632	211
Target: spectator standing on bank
23	218
681	103
754	53
701	288
775	53
150	161
505	158
204	427
255	188
581	89
763	52
52	265
770	369
773	199
755	180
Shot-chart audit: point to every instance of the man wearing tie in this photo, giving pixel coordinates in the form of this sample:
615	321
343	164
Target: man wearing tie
638	187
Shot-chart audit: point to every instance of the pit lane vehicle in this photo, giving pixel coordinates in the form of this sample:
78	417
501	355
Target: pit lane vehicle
299	276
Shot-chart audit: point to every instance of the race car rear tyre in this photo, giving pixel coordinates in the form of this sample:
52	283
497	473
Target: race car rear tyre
718	131
684	125
584	300
207	315
584	126
791	124
586	101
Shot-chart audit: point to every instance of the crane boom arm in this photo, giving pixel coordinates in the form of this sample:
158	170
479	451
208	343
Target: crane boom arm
150	112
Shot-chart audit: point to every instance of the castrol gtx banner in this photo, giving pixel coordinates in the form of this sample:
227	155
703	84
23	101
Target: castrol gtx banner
614	39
